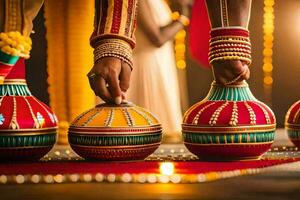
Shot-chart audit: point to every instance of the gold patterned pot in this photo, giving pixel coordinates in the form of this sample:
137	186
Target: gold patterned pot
229	124
111	132
292	123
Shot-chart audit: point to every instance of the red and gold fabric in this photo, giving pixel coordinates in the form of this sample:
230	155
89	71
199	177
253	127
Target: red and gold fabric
15	29
115	19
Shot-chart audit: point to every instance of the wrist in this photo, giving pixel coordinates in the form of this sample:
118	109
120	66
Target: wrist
115	48
230	43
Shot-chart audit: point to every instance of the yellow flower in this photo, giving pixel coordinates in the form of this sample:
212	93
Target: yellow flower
3	36
20	47
14	43
2	43
12	34
6	49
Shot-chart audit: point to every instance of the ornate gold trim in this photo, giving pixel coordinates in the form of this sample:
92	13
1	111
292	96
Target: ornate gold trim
289	111
221	144
113	134
28	133
26	147
229	129
118	147
242	84
111	128
15	82
29	130
230	27
295	127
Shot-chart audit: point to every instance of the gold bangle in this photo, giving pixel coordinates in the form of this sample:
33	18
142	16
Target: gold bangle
236	78
238	50
230	54
247	60
230	42
236	38
230	46
114	48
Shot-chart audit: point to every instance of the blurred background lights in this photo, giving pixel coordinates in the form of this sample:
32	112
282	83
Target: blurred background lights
166	168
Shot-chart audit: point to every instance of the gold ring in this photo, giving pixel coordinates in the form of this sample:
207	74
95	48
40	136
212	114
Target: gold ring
91	75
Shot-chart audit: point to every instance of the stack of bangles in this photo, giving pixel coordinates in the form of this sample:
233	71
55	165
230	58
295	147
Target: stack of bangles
114	48
230	43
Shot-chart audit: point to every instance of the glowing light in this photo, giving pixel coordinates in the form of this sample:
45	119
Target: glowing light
58	178
268	67
180	49
268	30
166	168
268	80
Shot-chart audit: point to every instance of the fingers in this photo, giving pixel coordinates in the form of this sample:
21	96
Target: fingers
91	82
125	77
101	90
114	87
114	73
232	72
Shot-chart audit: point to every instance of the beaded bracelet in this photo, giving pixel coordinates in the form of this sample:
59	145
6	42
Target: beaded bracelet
15	44
114	48
230	43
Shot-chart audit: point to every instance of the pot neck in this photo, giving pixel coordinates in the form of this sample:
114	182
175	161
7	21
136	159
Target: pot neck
15	83
17	74
230	93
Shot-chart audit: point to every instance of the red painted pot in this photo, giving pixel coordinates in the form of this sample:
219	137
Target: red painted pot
229	124
27	126
292	123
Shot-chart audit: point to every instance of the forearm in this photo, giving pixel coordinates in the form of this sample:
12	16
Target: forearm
156	33
166	33
238	12
230	46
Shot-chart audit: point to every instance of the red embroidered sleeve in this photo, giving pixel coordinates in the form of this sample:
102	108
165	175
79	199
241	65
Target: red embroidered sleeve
114	19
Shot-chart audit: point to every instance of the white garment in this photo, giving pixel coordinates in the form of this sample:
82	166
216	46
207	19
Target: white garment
154	83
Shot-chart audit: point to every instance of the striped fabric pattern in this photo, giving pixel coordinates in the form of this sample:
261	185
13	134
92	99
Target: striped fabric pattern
114	19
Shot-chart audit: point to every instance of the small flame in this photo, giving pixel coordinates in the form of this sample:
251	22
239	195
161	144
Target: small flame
166	168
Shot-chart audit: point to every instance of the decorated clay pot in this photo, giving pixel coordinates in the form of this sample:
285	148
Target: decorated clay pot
229	124
110	132
27	126
292	123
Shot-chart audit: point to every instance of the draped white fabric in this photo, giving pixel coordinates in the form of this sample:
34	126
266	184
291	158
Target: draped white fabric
154	82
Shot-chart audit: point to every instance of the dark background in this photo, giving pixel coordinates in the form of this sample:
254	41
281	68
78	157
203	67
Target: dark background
286	59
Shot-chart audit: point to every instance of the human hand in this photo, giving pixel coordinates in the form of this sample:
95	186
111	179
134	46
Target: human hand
230	72
109	78
185	7
185	2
